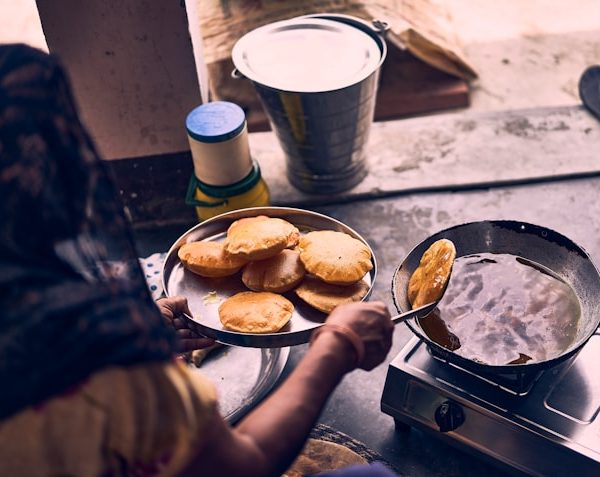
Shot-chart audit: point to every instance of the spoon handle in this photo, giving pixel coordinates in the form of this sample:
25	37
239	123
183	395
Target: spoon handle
420	312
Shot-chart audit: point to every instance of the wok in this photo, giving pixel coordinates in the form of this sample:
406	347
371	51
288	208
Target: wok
542	245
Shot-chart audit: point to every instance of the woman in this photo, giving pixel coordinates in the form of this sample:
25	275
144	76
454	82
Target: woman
90	382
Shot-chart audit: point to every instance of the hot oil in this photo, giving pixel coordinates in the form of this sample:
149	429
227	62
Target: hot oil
501	309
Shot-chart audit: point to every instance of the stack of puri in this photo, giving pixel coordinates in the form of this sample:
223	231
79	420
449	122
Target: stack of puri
335	264
324	268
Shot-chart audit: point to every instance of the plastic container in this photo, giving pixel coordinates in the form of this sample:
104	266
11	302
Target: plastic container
225	175
252	191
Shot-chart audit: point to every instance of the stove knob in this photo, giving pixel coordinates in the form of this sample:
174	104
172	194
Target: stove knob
449	416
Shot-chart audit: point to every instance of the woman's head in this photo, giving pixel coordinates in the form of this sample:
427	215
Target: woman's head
70	281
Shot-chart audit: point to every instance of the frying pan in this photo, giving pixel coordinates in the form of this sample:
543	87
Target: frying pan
542	245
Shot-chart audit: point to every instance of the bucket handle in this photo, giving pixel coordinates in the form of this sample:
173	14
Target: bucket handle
380	26
236	74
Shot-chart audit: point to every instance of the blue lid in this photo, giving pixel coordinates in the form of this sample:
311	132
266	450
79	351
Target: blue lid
215	122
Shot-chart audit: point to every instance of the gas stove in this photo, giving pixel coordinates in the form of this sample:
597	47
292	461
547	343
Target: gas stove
543	424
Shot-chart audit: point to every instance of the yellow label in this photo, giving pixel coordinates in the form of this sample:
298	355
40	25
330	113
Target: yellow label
256	197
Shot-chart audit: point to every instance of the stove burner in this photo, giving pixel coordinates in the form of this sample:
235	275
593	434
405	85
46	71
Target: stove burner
544	423
518	384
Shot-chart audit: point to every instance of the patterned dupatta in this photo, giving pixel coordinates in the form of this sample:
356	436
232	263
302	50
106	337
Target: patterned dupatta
73	299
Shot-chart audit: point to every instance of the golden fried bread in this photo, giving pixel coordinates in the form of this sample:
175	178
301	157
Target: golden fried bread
255	312
325	296
290	229
429	280
261	237
209	259
335	257
322	456
199	355
277	274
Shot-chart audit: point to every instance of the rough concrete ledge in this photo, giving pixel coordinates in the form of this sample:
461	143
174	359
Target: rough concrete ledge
458	151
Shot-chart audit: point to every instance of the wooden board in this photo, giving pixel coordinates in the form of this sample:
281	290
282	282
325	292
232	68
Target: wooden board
408	86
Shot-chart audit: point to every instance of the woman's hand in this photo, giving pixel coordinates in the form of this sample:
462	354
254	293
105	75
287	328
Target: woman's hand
371	321
172	309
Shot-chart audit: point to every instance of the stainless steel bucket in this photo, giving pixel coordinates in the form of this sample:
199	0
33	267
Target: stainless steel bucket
319	105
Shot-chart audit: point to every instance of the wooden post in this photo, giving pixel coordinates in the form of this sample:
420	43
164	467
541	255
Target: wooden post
132	68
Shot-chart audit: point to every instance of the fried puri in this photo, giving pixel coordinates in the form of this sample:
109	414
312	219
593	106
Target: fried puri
335	257
322	456
325	296
429	280
209	259
255	312
259	238
277	274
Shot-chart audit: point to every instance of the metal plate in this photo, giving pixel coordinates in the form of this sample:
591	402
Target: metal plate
179	281
306	55
242	376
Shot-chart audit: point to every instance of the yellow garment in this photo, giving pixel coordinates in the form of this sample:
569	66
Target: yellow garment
146	420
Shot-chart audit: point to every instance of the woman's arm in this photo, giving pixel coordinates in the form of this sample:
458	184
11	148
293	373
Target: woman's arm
270	437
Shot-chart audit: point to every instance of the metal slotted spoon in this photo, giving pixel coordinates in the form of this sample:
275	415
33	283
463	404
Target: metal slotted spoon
416	313
424	310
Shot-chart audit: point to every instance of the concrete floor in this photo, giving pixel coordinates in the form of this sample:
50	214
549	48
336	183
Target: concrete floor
393	226
528	53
